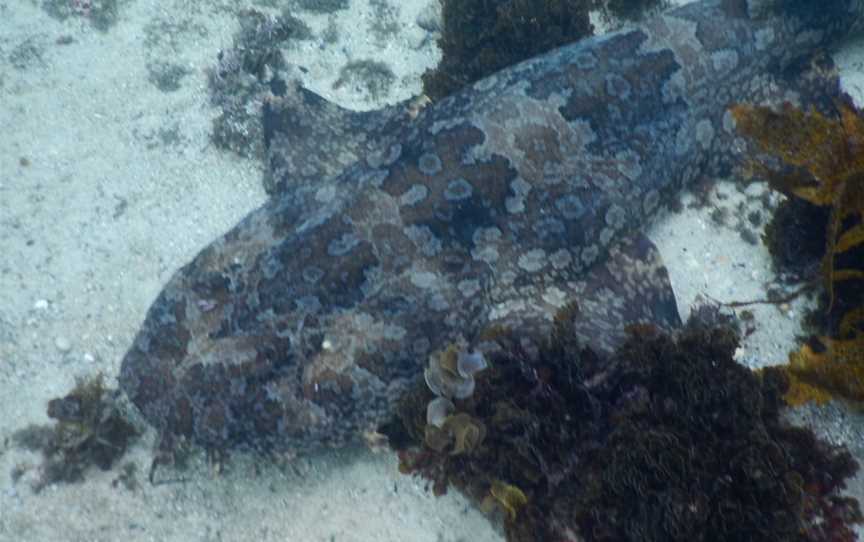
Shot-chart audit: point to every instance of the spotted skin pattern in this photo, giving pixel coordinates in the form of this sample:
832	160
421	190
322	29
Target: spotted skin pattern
304	324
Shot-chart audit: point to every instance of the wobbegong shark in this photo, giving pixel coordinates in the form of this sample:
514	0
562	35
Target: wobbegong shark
392	236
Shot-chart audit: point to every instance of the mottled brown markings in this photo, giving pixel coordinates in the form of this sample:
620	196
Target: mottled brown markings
337	274
345	274
376	364
327	386
447	145
464	194
593	104
618	86
541	146
380	362
715	35
585	61
429	164
415	195
182	415
370	208
392	247
385	157
458	189
174	344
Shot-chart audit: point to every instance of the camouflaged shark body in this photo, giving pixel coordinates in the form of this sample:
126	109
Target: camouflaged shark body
393	237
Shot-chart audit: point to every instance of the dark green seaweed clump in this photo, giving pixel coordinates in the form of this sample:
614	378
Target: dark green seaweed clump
795	238
90	430
669	439
480	37
632	9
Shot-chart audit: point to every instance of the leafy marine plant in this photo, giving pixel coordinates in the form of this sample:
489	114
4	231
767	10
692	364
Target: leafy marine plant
819	159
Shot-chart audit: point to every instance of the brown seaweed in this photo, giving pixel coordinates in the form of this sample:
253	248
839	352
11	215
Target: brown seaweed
667	439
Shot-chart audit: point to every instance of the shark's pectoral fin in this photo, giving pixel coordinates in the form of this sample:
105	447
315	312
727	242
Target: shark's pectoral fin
631	286
309	139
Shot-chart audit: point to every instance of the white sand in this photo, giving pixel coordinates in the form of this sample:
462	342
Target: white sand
108	184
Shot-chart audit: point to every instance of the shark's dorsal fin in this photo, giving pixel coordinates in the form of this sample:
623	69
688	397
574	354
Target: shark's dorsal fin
309	138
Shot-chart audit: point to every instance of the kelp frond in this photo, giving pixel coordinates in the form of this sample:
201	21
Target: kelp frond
827	169
830	368
820	159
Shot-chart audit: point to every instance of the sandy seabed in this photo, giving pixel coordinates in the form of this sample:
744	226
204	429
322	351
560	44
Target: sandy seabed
109	183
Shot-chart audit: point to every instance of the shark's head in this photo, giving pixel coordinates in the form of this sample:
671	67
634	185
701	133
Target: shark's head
276	338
